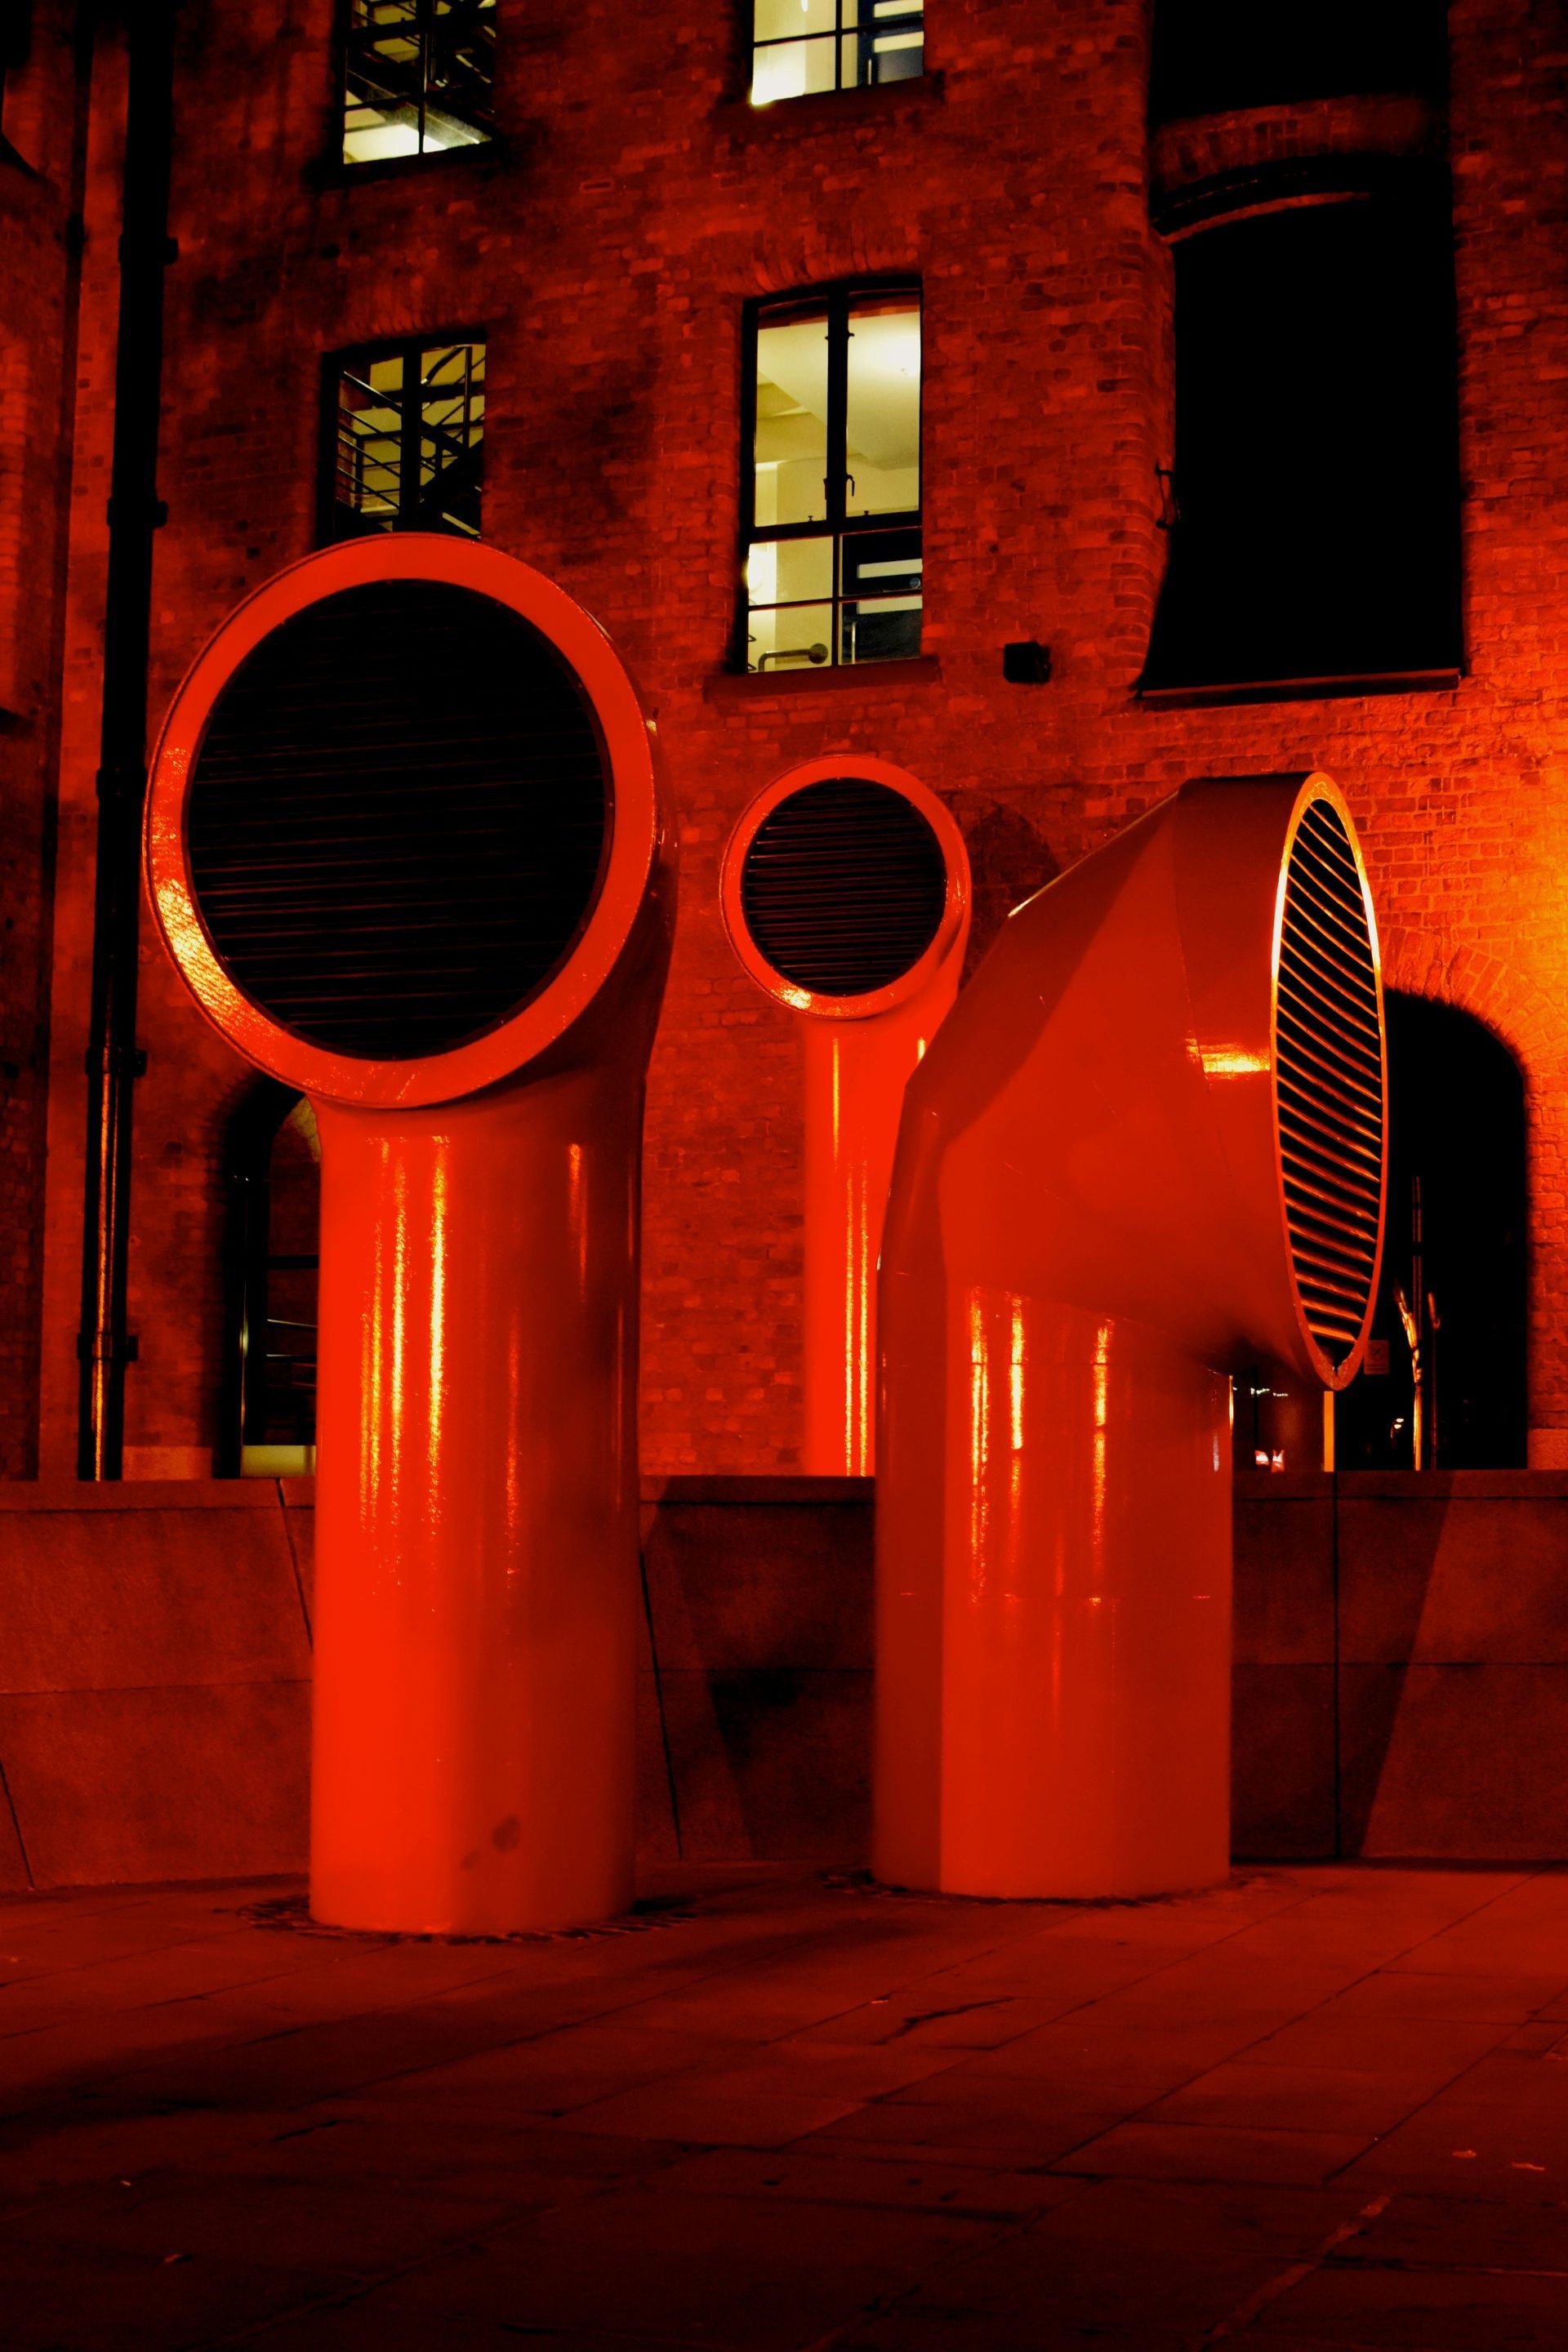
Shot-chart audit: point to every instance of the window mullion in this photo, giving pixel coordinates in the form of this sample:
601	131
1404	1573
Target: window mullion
837	410
837	449
425	34
413	394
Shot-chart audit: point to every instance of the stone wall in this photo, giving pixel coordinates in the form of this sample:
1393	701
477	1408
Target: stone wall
1401	1679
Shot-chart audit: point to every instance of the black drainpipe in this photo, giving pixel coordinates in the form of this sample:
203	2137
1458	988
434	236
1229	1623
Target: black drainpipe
104	1346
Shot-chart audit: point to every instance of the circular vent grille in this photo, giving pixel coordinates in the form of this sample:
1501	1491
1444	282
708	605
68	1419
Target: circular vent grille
843	887
1329	1081
397	818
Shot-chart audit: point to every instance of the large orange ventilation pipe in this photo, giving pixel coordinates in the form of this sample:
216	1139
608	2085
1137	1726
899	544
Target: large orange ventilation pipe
846	896
406	848
1145	1151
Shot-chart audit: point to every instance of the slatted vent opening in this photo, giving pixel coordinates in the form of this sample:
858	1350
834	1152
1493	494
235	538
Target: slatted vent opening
398	819
843	887
1328	1082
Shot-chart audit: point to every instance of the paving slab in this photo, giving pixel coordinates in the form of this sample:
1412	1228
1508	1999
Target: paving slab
778	2110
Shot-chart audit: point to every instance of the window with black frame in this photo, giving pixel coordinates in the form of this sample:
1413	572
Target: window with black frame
266	1409
406	429
799	47
417	77
1314	531
833	526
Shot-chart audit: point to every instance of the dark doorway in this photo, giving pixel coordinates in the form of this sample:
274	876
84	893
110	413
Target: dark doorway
267	1410
1456	1131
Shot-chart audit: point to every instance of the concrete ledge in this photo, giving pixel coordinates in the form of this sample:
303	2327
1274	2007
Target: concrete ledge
1429	1485
76	1494
155	1681
1401	1674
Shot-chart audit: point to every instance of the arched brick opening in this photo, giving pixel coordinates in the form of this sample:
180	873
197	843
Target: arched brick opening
1444	1382
1533	1026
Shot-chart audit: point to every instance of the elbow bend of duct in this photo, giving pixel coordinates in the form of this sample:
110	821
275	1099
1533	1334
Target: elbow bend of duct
1131	1112
1144	1151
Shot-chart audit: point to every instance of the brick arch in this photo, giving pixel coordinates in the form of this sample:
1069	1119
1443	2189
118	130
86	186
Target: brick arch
803	260
1533	1027
1519	1016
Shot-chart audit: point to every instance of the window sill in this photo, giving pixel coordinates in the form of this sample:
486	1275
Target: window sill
1300	689
865	678
787	117
331	172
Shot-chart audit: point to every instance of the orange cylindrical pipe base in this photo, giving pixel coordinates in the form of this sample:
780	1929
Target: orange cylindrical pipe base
1053	1598
477	1509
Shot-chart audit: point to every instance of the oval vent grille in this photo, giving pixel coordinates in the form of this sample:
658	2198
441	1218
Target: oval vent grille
843	887
398	819
1328	1082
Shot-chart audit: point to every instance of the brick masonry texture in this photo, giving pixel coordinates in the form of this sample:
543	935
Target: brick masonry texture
40	166
606	248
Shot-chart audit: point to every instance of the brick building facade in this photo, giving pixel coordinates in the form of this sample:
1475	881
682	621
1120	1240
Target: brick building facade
606	244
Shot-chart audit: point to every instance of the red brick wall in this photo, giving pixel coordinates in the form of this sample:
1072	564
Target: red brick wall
609	254
40	193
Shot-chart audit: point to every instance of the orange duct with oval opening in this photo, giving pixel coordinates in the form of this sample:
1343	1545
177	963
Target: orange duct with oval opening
846	896
407	847
1145	1151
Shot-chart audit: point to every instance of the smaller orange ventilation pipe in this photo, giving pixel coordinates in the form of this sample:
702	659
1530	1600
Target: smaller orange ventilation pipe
846	896
407	847
1145	1152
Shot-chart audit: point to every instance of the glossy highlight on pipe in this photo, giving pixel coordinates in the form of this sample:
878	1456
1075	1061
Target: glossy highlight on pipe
1145	1152
477	1088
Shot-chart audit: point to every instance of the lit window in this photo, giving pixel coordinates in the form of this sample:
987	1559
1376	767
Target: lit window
833	540
418	77
406	429
800	45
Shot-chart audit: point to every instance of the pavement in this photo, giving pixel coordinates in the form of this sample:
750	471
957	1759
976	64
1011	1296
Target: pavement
782	2111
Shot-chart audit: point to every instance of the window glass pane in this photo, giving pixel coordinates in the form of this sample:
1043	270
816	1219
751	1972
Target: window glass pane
369	448
459	73
797	637
409	434
451	437
790	571
880	615
791	70
794	53
793	20
790	446
883	411
385	80
418	78
785	630
889	43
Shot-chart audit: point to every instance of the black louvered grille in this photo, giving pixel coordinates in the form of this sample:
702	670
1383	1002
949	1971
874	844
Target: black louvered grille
398	819
1328	1082
843	887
